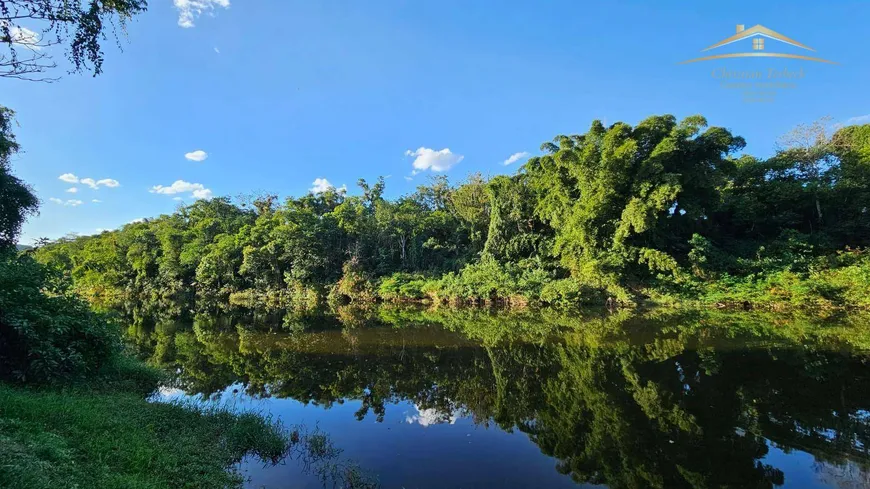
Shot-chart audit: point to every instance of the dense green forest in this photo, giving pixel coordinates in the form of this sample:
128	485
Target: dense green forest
663	211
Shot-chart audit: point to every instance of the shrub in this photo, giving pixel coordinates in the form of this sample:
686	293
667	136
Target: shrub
517	284
402	286
354	286
46	332
850	281
563	292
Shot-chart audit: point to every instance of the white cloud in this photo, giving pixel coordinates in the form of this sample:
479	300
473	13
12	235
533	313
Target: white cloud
68	203
515	158
135	221
96	201
197	190
109	182
409	178
101	230
429	159
861	119
188	10
23	36
320	185
90	182
198	155
177	198
217	50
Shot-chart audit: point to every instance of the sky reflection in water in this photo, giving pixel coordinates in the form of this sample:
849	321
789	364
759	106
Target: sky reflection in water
422	399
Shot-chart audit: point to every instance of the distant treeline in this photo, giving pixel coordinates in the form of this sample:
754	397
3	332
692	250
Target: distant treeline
662	211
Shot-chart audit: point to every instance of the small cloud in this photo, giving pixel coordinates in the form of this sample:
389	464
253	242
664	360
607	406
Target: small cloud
23	36
430	159
67	203
69	178
515	158
409	178
197	190
109	182
177	198
101	230
188	10
217	50
96	201
136	221
861	119
90	182
198	155
320	185
72	190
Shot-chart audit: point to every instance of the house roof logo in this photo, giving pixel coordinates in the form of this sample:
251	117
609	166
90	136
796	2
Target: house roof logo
758	34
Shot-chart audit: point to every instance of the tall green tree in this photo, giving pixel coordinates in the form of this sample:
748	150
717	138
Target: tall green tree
624	201
17	200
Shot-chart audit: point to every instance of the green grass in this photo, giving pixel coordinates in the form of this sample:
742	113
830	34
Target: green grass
107	435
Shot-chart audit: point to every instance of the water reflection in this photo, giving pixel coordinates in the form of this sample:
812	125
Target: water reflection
658	399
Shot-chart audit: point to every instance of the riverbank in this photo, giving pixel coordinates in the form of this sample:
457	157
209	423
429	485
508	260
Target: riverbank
105	434
841	282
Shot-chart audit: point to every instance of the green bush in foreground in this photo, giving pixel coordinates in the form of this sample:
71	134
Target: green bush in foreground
46	333
100	431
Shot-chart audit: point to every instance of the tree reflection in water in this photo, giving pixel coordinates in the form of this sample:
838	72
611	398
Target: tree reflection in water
657	399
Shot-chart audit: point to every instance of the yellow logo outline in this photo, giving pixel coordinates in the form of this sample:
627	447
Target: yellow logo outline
758	46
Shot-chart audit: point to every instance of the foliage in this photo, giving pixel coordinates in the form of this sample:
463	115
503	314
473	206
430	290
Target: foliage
402	286
625	198
665	209
17	201
46	333
81	26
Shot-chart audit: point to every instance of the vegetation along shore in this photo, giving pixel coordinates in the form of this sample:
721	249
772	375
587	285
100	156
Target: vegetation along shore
663	212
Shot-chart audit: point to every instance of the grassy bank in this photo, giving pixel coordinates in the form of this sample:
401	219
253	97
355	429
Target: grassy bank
74	409
104	434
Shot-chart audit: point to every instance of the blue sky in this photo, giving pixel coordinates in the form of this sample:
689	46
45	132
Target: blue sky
279	94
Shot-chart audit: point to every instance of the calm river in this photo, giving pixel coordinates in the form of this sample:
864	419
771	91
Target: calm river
408	398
